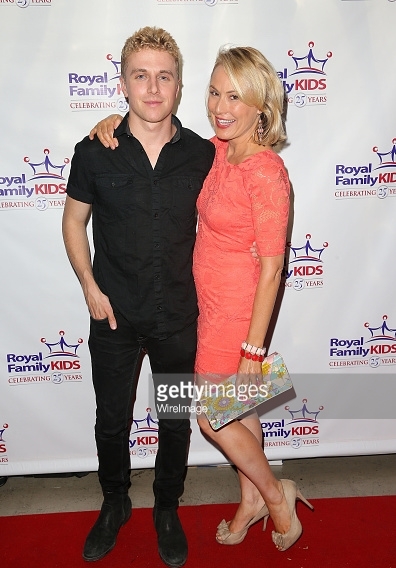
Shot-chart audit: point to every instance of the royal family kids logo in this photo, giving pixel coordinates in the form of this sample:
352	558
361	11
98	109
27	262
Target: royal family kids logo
98	91
41	187
305	82
375	178
209	3
3	447
302	430
377	348
55	363
143	439
305	269
25	3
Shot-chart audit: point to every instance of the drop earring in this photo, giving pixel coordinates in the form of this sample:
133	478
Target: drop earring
260	128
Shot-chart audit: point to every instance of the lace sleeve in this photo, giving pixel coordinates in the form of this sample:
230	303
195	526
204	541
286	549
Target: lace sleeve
269	190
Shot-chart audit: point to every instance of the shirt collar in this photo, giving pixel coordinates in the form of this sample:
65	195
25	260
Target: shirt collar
123	128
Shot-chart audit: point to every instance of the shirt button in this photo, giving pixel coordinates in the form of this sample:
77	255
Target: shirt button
155	215
156	245
159	308
155	182
156	277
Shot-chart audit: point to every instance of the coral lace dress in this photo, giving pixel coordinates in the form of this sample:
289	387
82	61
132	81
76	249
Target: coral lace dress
238	204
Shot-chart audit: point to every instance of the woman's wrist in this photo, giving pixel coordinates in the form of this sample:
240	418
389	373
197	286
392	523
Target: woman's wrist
252	352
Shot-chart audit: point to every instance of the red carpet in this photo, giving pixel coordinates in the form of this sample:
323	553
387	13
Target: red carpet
340	533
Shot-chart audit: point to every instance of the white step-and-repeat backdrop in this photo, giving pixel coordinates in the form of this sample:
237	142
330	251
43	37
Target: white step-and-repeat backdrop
336	325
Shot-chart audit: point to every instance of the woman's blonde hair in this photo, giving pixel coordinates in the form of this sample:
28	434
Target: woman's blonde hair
150	38
257	84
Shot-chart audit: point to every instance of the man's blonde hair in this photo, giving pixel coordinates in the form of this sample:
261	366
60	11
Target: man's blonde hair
257	84
150	38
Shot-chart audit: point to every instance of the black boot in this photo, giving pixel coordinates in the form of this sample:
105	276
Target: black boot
172	542
115	512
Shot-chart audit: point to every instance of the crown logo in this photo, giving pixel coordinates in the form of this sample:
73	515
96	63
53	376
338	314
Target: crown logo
46	169
117	66
61	348
307	252
5	426
303	414
387	159
309	63
382	332
147	424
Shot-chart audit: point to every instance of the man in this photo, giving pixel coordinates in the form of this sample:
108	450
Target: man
140	291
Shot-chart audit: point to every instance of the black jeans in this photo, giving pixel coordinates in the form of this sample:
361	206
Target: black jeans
116	357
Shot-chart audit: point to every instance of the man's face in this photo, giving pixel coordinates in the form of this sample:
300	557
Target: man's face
151	85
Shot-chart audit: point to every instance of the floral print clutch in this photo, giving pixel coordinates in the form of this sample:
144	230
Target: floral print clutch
227	401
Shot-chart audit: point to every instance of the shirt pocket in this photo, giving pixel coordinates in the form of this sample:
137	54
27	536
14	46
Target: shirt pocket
185	193
115	198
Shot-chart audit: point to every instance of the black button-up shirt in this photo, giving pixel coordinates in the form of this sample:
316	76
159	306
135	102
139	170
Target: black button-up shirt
144	224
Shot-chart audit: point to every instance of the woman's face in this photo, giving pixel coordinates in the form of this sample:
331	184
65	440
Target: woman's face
231	118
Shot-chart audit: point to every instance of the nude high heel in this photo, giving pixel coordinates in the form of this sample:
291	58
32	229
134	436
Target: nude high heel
291	493
228	537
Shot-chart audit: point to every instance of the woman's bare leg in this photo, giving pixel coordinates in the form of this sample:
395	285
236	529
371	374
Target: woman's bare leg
251	499
244	450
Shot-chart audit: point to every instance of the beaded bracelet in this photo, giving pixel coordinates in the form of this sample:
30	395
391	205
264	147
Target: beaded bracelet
252	352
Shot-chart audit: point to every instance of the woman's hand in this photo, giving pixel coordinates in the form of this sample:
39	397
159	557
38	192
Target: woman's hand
249	373
253	251
104	130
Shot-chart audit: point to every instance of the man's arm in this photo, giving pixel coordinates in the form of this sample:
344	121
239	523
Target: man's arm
74	227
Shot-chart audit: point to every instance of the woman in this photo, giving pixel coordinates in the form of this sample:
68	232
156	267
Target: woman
245	198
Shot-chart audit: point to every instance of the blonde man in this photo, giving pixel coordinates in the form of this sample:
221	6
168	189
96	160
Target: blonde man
139	290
